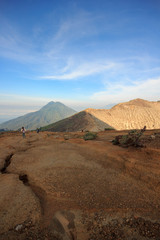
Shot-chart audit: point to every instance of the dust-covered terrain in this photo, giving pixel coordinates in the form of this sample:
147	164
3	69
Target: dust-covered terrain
134	114
59	186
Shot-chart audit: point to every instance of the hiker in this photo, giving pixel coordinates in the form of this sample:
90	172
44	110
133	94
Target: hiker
23	130
37	130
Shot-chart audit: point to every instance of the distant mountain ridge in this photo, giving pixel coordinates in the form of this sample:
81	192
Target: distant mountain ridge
134	114
50	113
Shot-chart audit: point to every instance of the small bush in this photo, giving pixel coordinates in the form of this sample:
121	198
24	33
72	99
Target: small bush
124	140
132	139
89	136
106	129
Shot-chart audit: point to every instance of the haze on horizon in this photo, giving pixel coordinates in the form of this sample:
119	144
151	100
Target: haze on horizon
81	53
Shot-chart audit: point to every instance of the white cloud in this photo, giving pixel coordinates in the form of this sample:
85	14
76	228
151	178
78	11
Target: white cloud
80	24
148	89
55	52
61	55
83	70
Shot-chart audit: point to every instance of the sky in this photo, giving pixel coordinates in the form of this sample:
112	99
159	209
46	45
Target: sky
83	53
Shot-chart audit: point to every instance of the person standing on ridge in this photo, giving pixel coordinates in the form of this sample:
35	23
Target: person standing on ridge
23	130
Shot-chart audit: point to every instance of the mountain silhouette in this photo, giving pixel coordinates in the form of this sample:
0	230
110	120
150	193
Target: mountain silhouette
50	113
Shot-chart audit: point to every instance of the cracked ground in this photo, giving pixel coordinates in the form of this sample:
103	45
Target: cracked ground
58	186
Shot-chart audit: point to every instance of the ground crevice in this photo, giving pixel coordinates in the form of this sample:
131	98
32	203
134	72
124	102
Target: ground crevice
7	163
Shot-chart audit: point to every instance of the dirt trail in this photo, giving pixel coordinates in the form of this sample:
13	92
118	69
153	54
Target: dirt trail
58	186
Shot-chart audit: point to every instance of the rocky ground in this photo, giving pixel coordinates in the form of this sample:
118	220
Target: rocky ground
58	186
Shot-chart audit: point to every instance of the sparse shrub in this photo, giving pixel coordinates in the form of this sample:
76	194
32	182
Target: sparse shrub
132	139
89	136
124	139
116	140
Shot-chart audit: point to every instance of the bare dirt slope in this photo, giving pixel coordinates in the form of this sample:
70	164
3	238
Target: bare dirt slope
81	121
58	186
134	114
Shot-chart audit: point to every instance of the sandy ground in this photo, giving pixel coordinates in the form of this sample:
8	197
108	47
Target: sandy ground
58	186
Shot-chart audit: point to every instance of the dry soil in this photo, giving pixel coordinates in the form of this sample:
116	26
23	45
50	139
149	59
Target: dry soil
59	186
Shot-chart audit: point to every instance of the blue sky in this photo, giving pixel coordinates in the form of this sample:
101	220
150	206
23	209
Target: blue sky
82	53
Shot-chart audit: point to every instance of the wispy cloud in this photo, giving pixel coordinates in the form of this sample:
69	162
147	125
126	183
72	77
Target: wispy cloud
82	45
53	53
77	25
64	54
83	70
147	89
13	45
